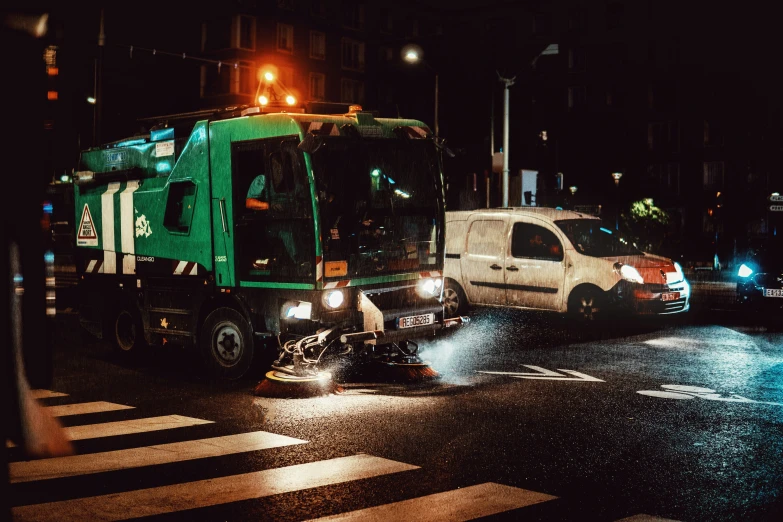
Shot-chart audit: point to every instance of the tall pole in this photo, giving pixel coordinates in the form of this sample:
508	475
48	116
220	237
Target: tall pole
98	86
436	105
492	125
508	82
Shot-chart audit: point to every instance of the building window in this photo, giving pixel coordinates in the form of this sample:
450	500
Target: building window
577	98
318	8
577	60
665	176
286	4
663	135
614	15
214	81
285	38
244	78
244	32
317	45
386	21
577	18
351	91
385	53
713	175
353	15
317	86
353	54
713	137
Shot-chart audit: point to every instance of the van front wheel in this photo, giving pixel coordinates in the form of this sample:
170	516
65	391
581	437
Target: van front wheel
587	305
454	302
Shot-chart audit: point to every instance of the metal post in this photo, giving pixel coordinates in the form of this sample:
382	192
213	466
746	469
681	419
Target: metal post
508	83
98	107
436	105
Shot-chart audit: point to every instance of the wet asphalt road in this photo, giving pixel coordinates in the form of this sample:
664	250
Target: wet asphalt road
703	441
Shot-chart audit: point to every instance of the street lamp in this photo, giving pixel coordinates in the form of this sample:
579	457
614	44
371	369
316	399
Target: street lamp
616	177
572	188
508	82
413	54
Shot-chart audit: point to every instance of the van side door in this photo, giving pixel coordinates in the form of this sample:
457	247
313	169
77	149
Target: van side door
483	258
534	267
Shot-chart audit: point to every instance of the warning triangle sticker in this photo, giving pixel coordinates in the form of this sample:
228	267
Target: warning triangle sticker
87	235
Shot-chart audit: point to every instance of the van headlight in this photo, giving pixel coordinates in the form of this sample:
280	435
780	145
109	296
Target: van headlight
429	287
745	271
629	273
334	298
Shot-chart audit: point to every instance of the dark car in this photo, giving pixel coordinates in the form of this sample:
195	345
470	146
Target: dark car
760	279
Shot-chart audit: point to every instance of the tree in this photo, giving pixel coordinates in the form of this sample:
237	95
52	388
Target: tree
647	225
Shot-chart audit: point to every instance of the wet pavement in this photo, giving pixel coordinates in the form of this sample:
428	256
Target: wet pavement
677	419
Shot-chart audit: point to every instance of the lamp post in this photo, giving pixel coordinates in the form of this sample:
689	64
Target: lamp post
616	177
508	82
413	55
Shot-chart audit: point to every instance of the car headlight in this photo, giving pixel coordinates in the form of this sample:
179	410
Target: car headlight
745	271
429	287
334	298
629	273
680	273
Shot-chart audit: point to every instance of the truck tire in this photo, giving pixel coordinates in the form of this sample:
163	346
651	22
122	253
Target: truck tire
124	331
226	343
454	301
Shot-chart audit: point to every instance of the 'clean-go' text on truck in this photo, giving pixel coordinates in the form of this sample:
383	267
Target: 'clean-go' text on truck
221	228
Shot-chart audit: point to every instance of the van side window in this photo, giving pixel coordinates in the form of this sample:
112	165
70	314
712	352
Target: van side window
536	242
486	238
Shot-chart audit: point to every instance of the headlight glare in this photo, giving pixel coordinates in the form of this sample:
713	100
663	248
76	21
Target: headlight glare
428	287
334	298
629	273
745	271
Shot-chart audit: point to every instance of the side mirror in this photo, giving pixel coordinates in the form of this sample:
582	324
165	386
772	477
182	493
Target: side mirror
311	143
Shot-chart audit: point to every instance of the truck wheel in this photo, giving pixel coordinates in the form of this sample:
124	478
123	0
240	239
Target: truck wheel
226	343
454	301
124	331
586	305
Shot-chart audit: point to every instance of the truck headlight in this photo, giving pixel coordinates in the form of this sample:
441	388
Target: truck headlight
334	298
745	271
297	310
629	273
429	287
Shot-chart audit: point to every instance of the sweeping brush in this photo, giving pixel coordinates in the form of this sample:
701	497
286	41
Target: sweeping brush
281	385
406	372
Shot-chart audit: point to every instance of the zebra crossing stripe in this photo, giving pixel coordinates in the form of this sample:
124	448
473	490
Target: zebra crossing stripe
468	503
46	394
212	492
147	456
127	427
85	407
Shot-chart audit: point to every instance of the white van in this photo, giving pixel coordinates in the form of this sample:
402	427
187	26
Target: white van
557	260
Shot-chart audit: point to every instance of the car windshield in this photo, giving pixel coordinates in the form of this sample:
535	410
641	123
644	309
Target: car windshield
591	239
379	204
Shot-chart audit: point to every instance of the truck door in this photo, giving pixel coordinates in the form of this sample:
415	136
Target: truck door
534	267
482	263
273	217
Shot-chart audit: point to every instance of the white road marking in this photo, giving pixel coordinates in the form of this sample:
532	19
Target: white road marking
126	427
460	504
681	391
46	394
212	492
85	407
547	375
146	456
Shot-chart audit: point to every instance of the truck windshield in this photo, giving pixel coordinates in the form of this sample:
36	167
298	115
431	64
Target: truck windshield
379	202
591	239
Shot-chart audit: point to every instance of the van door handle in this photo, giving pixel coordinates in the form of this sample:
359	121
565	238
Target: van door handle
512	268
495	267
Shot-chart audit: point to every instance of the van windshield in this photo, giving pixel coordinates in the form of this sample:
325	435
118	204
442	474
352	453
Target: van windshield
591	239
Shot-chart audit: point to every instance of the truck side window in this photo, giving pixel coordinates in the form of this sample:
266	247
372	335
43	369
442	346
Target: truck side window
535	242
